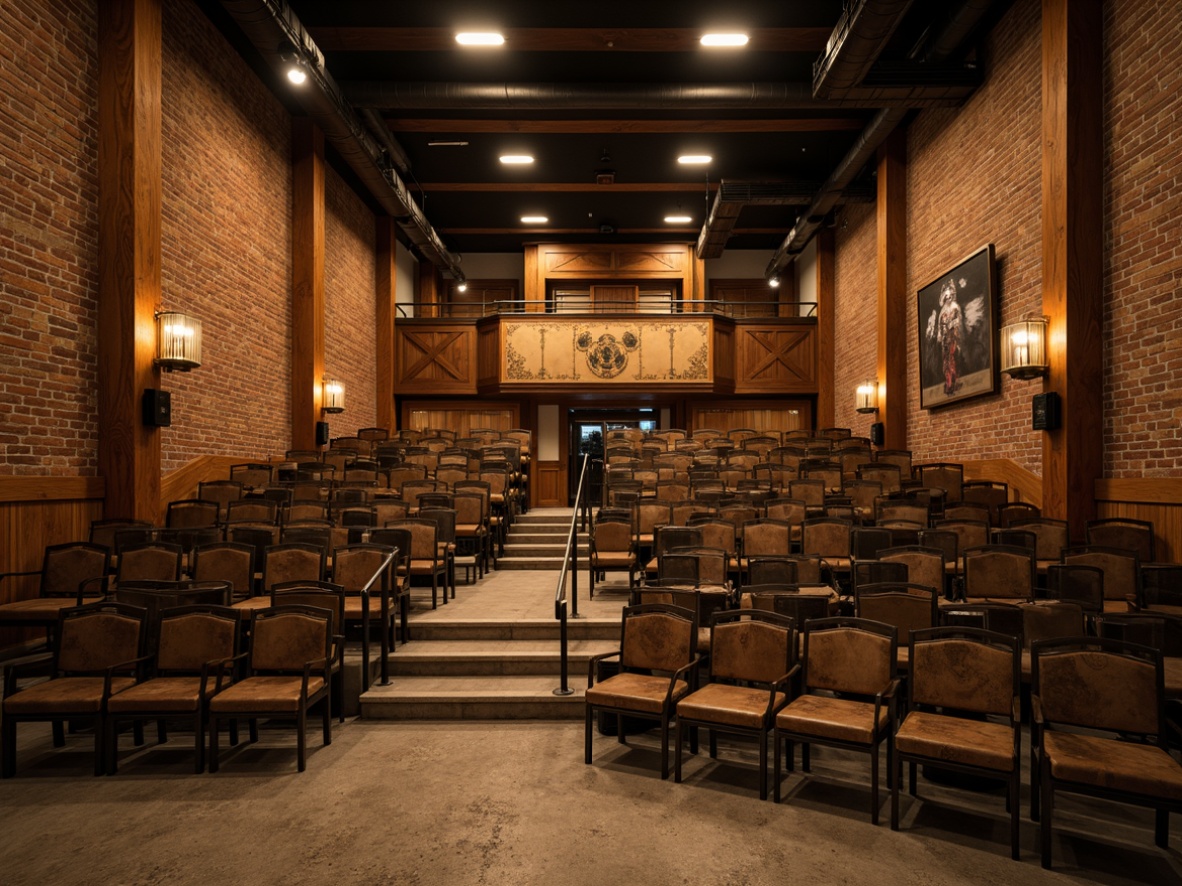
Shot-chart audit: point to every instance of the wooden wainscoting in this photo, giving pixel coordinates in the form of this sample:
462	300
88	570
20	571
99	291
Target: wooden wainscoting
183	482
1157	499
1024	485
460	416
778	415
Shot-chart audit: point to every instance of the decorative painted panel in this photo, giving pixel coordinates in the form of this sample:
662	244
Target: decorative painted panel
608	352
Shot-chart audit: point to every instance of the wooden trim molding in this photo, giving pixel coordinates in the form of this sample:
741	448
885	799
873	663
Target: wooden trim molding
183	482
1152	490
1026	484
13	489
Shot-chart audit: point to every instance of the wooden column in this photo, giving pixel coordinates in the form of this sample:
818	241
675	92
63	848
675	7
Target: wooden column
826	329
892	289
307	281
430	289
1072	254
386	287
129	35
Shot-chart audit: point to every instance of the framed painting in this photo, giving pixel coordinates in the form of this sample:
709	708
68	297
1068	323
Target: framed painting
958	332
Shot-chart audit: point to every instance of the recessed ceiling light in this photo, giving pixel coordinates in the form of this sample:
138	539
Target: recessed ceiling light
534	219
516	159
479	38
694	159
724	39
678	219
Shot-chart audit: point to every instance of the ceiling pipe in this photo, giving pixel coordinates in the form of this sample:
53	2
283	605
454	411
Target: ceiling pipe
269	25
857	41
382	133
446	96
946	43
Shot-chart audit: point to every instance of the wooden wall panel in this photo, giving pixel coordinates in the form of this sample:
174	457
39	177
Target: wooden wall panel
548	485
488	355
786	415
460	417
1024	485
1157	499
183	482
436	359
775	359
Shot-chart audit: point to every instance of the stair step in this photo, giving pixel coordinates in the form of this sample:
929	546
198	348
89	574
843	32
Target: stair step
420	658
472	698
520	629
540	563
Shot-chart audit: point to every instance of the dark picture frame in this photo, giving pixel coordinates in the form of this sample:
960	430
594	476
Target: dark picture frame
958	332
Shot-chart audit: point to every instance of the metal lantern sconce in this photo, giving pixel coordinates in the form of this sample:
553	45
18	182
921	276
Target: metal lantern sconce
178	341
866	396
333	396
1024	348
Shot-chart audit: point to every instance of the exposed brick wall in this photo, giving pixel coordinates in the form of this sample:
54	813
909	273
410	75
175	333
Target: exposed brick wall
974	177
350	335
1143	222
856	338
48	237
226	250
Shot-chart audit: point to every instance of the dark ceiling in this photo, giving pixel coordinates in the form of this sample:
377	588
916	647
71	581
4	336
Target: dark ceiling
621	87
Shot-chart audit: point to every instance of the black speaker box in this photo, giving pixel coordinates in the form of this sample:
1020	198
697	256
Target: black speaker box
157	408
321	433
877	433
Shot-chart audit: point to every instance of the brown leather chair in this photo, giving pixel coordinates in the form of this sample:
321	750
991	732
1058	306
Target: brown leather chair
657	668
963	698
847	698
611	549
99	653
192	642
1115	691
68	571
367	574
287	672
752	660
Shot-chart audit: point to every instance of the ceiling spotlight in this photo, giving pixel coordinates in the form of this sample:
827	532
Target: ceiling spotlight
694	159
295	67
773	281
716	40
462	286
534	219
480	38
516	159
678	219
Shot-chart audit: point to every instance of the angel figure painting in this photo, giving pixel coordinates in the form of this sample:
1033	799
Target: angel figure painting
956	332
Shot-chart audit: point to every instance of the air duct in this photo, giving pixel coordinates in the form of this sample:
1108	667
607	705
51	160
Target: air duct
269	25
857	41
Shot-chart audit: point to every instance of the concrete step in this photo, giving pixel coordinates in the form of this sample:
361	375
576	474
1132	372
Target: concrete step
520	629
540	563
487	658
530	536
474	698
514	549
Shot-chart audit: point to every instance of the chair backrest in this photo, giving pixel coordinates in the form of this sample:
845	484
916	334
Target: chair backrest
1019	538
1099	683
97	636
66	568
827	536
967	511
1016	510
948	476
657	637
909	607
398	537
718	533
902	509
444	519
772	570
790	510
867	541
1161	584
854	655
193	635
885	473
1000	618
809	490
999	571
751	646
103	532
252	510
993	494
611	536
284	638
424	538
1124	532
866	572
966	669
969	533
1077	583
292	561
1049	619
221	491
253	474
316	594
153	561
355	565
1121	567
1157	630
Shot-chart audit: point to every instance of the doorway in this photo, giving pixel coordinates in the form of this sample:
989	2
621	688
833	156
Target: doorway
588	431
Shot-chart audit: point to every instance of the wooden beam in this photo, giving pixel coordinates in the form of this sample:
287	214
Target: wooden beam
782	124
566	187
368	39
130	217
307	281
1072	260
386	288
826	328
892	289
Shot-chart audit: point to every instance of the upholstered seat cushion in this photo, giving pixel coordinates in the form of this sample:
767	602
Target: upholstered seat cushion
635	692
1115	765
180	694
247	606
728	705
354	609
82	695
609	559
980	743
37	609
1118	605
263	693
839	719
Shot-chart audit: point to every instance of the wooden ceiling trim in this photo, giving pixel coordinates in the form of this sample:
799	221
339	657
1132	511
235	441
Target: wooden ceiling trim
363	39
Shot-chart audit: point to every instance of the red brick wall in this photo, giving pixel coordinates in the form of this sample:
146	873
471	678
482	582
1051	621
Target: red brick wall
856	285
349	305
226	245
48	237
974	177
1143	239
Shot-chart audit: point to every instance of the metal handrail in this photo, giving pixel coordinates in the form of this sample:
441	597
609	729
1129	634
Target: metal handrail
472	310
382	567
570	566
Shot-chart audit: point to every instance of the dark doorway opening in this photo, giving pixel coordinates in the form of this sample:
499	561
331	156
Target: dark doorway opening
588	431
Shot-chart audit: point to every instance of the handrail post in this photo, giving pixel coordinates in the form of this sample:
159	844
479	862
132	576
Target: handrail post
574	575
564	659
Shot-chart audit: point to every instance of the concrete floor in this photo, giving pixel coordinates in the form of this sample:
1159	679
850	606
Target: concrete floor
512	802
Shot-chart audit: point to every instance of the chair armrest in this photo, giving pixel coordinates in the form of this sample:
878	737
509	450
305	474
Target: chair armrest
221	666
786	679
4	575
317	664
13	672
594	660
102	584
686	669
1036	716
137	663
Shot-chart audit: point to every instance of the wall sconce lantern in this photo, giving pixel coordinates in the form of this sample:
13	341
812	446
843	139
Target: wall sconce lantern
866	396
178	341
1024	348
333	396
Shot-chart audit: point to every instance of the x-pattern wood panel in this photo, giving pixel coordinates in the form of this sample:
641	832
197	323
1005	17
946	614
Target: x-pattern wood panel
777	355
436	356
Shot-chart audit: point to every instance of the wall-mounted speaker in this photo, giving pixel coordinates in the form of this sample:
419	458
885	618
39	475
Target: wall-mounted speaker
877	433
157	408
321	433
